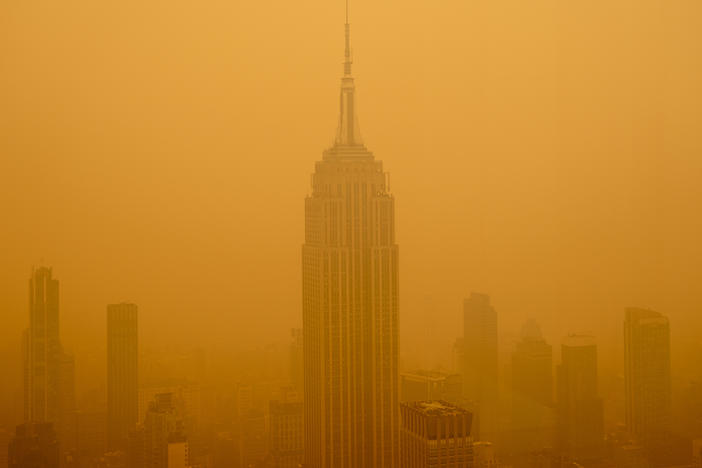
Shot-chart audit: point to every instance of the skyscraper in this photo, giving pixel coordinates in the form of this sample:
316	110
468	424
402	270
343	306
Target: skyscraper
122	384
647	379
42	349
435	433
580	410
532	391
350	304
480	360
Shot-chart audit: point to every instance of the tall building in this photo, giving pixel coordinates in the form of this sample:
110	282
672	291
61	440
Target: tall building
647	379
532	391
34	446
580	410
480	371
285	439
435	433
42	349
350	304
122	369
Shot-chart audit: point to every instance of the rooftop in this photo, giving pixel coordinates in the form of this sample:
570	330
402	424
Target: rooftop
436	408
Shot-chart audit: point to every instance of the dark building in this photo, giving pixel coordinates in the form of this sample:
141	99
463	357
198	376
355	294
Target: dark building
65	425
532	392
435	433
648	382
122	371
42	349
148	443
34	446
580	410
480	368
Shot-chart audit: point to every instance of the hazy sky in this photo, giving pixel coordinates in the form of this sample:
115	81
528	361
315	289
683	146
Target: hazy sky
548	153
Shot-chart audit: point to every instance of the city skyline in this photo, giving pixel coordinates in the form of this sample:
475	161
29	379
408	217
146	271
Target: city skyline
546	182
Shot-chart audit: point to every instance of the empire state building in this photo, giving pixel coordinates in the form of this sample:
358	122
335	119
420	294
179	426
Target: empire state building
350	304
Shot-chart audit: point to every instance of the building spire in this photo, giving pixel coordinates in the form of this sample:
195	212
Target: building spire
347	50
347	133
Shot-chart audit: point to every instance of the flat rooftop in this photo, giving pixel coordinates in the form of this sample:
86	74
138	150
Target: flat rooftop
436	408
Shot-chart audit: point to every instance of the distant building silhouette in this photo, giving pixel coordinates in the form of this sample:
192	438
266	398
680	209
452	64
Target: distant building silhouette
285	437
34	445
580	409
480	368
253	440
435	434
90	436
122	372
350	304
186	397
532	391
42	349
648	381
484	455
65	425
148	445
225	453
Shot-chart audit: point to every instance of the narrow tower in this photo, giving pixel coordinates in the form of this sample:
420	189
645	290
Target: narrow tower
122	369
350	303
647	381
42	349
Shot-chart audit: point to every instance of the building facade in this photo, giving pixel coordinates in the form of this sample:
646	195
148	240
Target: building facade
435	433
580	409
42	350
350	304
122	373
532	392
480	368
285	437
647	380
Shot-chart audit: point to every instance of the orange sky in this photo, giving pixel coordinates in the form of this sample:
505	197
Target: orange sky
545	152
